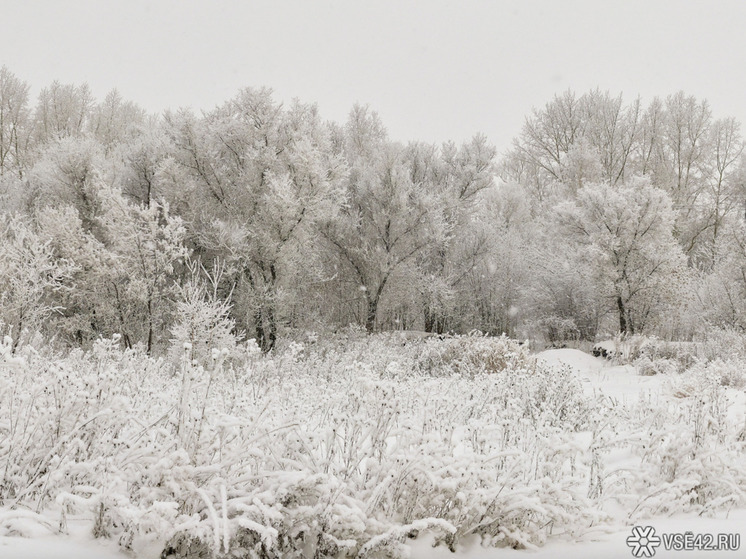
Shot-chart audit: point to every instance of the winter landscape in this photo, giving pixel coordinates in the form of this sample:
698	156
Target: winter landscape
267	328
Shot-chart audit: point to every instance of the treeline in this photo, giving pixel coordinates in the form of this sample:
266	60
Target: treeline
262	218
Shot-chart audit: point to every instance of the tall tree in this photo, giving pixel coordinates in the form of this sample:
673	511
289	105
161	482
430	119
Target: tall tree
115	120
14	123
69	172
62	110
628	232
139	164
252	179
388	219
459	176
148	246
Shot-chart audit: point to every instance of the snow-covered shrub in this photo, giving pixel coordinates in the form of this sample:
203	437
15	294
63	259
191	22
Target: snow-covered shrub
720	343
690	455
657	366
473	354
730	372
336	454
681	355
203	322
558	329
329	451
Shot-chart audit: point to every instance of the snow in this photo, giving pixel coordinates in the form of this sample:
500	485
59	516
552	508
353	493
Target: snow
598	543
58	548
611	545
25	535
32	540
598	375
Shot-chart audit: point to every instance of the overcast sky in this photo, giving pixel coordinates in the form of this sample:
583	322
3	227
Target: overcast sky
433	70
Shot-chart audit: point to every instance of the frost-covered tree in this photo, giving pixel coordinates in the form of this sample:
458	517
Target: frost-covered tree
721	291
139	163
115	120
69	173
460	176
14	123
389	218
86	309
725	186
251	178
147	246
62	110
29	274
627	231
561	297
597	138
126	263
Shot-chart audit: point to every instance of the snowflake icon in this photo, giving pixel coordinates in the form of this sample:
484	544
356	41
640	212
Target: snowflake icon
643	541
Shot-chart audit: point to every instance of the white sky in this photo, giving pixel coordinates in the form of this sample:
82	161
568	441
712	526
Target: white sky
433	70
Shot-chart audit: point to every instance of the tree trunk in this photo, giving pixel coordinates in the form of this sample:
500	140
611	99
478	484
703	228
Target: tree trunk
370	319
120	312
435	322
265	326
150	326
271	329
430	320
622	315
259	328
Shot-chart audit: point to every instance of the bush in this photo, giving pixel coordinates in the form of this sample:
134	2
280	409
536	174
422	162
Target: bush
719	343
472	355
658	366
730	373
681	355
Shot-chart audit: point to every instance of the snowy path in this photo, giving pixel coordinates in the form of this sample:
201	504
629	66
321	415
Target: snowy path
621	382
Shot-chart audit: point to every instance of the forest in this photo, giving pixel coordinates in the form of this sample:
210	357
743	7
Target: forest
250	333
258	219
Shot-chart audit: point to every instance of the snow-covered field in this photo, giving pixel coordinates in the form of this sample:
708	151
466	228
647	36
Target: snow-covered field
364	447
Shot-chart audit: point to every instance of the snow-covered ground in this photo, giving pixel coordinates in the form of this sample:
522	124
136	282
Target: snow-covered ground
34	540
600	544
598	375
610	544
57	547
32	536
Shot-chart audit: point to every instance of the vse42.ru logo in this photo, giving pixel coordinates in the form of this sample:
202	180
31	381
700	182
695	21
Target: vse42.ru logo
644	541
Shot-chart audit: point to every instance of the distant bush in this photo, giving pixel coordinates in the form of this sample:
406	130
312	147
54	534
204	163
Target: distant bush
473	354
658	366
720	343
729	372
681	355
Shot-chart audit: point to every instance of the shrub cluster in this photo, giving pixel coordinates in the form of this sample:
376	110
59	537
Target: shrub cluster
473	354
334	449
